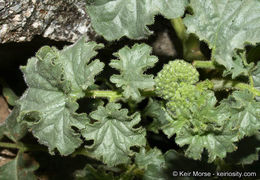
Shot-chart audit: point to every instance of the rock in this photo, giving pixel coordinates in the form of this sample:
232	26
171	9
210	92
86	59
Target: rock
61	20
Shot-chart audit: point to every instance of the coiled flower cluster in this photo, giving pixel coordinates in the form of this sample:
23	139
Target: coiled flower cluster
173	76
176	84
187	99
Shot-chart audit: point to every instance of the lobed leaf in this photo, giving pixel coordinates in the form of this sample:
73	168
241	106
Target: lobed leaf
225	26
132	63
217	145
145	158
244	112
114	19
154	110
239	68
203	127
113	134
56	79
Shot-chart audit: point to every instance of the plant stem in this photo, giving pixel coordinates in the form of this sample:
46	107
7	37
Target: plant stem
204	64
190	43
23	147
220	84
179	28
113	95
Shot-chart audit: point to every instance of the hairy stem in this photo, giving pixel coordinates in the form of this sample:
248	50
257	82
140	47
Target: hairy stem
220	84
23	147
190	43
204	64
113	95
179	28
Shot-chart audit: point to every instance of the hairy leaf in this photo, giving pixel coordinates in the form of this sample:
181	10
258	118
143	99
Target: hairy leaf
113	134
204	127
239	68
56	79
132	63
225	26
217	145
114	19
244	112
154	110
153	156
21	168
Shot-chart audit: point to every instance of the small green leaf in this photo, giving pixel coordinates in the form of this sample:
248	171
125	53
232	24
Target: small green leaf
21	168
145	158
10	96
132	63
225	26
114	19
113	134
239	68
56	79
154	109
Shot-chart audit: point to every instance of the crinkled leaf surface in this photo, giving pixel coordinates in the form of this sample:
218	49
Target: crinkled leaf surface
225	26
21	168
154	109
153	156
217	145
244	112
239	68
132	63
205	127
113	134
114	19
56	79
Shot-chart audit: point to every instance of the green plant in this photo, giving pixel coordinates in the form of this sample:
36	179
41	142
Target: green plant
206	126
